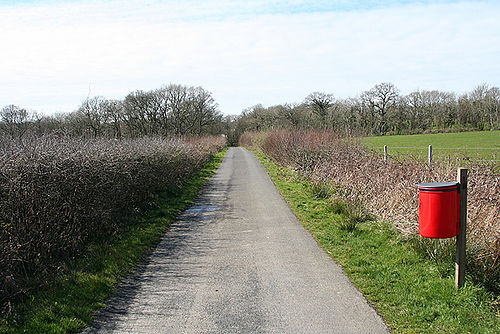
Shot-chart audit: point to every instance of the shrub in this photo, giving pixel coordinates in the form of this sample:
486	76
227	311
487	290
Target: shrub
388	188
58	194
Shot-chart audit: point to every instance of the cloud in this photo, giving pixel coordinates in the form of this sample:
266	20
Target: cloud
246	53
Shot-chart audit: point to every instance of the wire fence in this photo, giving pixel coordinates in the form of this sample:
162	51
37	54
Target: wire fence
450	148
461	152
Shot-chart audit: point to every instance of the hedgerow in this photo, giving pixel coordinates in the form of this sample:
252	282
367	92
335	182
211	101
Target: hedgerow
60	194
345	169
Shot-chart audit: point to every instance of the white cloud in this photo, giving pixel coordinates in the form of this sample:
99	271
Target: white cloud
52	53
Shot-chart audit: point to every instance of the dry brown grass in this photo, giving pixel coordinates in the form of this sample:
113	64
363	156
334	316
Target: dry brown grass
388	189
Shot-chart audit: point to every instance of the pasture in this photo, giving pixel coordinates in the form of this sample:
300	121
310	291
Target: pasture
477	145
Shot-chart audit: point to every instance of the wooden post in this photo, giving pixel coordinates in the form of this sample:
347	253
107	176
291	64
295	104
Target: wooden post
430	155
385	152
461	240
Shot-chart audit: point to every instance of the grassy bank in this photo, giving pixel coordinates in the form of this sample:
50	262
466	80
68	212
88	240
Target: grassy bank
414	294
346	170
474	145
67	304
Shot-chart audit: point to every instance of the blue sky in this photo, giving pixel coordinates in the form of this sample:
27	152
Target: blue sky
56	53
262	7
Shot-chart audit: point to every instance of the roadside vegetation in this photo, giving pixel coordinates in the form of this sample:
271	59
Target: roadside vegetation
63	198
343	169
409	281
84	195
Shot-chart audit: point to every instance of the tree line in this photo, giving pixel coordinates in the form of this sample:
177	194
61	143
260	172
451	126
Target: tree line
175	110
172	110
381	110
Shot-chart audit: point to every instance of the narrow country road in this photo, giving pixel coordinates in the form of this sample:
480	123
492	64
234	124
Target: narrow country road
238	261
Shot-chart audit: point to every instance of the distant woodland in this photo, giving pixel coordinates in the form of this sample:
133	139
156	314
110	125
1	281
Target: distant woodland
175	110
382	110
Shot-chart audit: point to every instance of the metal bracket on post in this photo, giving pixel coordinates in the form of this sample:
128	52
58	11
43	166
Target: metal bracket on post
461	237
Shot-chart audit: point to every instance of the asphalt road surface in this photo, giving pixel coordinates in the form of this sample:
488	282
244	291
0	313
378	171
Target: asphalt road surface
238	261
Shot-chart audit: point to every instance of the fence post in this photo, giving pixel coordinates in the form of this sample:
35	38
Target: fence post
430	155
461	240
385	152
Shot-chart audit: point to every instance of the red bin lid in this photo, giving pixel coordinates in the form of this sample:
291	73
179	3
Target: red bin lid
437	186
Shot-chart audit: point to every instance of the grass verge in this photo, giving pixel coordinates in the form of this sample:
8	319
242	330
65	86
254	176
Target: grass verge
414	294
67	304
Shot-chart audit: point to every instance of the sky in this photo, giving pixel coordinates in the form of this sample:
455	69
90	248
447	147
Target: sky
54	54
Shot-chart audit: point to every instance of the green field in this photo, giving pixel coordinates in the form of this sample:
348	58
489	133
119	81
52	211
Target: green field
472	145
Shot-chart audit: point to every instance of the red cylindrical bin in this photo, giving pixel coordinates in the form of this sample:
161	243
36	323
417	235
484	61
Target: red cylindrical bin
439	209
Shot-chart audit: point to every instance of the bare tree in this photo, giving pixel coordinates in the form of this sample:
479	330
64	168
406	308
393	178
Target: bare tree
484	104
115	115
161	104
320	104
493	107
177	97
291	114
204	108
94	114
15	120
380	98
135	113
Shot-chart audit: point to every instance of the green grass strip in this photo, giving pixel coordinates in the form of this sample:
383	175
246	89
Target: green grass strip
412	293
68	304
